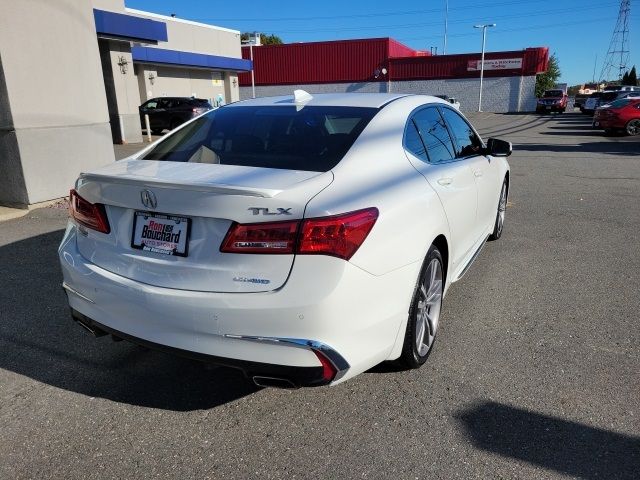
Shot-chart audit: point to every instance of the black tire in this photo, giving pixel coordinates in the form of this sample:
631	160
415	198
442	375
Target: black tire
633	127
498	225
422	316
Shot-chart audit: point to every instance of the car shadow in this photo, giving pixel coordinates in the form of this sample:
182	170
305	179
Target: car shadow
38	339
563	446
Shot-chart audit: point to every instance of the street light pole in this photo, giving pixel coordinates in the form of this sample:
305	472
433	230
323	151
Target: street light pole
446	25
251	42
484	40
253	79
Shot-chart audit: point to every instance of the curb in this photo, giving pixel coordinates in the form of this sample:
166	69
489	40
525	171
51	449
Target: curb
11	213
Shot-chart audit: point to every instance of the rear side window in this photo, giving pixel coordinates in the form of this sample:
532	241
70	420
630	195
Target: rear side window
314	138
413	143
467	143
623	102
434	134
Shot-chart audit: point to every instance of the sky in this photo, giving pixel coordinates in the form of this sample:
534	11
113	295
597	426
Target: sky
577	31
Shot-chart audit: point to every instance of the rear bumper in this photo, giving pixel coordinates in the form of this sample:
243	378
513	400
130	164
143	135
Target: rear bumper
326	306
281	375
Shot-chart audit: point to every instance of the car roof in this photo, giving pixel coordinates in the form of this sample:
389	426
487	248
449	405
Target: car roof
371	100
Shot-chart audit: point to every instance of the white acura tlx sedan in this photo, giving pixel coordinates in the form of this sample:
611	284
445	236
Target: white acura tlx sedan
302	239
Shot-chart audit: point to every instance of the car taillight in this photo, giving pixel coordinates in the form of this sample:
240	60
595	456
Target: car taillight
90	215
339	236
276	237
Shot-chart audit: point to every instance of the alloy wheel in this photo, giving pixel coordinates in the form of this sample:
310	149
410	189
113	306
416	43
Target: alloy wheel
502	208
428	308
633	127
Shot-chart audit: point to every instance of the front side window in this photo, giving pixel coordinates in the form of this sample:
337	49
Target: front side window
466	141
434	134
314	138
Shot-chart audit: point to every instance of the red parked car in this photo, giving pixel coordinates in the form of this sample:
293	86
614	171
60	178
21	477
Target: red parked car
552	101
623	114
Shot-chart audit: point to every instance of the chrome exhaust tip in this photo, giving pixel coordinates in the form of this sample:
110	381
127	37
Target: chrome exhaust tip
86	323
273	382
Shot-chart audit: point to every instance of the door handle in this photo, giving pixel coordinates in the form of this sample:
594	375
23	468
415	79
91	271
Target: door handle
445	181
477	173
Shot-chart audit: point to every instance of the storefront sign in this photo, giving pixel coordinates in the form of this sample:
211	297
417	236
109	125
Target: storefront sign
501	64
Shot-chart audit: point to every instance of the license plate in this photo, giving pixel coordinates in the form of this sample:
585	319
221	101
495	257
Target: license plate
548	108
159	233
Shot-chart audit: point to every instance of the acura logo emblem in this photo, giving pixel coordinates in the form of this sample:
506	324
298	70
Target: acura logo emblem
148	198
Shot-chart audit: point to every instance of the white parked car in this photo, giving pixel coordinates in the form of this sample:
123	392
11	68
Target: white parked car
303	239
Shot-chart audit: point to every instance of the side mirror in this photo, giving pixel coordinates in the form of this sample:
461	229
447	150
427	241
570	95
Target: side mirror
499	148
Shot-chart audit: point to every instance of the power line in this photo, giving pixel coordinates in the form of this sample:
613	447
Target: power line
511	30
438	23
373	15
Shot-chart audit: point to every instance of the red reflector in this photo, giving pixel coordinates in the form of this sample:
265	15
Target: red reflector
90	215
339	236
276	237
328	370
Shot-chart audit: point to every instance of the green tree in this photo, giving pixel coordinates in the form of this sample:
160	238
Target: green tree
633	77
264	39
625	79
548	79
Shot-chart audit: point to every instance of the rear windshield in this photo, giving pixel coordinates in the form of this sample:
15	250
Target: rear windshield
553	93
312	138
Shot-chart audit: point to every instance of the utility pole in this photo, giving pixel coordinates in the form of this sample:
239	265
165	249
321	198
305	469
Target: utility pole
484	41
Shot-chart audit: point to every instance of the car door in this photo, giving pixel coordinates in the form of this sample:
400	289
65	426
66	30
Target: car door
470	149
430	149
164	113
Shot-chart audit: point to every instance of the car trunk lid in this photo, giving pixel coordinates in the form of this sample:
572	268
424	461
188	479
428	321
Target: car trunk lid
199	202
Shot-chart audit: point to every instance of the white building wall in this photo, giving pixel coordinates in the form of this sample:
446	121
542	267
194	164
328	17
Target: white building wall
499	94
180	82
53	111
194	37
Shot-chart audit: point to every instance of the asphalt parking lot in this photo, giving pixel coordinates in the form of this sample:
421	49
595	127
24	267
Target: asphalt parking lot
535	374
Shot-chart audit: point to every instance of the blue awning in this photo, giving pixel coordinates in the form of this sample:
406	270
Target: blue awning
188	59
129	27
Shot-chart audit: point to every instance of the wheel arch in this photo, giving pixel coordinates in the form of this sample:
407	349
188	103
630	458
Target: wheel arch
442	244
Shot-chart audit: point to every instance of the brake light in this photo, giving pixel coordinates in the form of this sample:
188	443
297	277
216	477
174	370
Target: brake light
276	237
339	236
90	215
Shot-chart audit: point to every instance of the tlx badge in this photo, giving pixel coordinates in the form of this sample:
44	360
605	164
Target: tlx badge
266	211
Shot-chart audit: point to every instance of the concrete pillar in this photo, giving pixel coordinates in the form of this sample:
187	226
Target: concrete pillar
121	86
53	110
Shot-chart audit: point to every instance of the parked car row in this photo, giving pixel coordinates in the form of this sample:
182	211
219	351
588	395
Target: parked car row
620	115
596	99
